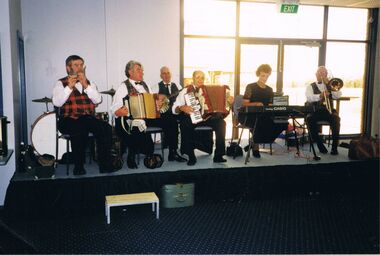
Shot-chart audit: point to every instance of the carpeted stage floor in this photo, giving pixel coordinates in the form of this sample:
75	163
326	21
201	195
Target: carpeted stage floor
280	156
280	203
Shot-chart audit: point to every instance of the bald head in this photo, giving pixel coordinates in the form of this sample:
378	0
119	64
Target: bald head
198	78
321	74
165	74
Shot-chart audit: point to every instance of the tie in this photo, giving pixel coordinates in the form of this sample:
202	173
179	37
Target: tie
138	82
166	89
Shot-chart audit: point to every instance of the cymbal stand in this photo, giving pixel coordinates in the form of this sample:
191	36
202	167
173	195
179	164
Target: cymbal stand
47	107
112	115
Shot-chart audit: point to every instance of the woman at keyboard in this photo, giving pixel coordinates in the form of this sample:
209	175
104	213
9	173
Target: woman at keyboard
260	94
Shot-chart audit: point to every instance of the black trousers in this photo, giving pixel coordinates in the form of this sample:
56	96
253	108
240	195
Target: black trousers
169	124
188	134
136	141
324	115
266	130
78	129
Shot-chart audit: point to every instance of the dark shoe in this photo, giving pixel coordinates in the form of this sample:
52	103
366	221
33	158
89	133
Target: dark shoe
256	154
174	156
79	171
322	148
334	151
219	159
131	163
192	161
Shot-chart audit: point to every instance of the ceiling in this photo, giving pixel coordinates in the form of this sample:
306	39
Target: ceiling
341	3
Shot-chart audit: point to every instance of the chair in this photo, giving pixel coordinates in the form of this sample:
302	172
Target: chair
238	103
322	123
66	137
154	131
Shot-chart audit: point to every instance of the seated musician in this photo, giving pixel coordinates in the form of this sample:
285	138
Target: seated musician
170	90
187	127
76	98
133	131
316	94
260	94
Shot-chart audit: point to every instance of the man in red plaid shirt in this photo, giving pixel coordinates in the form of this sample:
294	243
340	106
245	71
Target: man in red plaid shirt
76	98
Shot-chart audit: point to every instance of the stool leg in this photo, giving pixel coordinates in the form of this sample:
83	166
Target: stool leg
108	214
67	156
153	207
158	210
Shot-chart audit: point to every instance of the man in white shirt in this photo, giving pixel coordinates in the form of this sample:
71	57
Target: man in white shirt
316	95
75	99
188	134
136	139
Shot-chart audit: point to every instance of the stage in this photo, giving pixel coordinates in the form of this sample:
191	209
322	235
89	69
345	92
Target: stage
282	174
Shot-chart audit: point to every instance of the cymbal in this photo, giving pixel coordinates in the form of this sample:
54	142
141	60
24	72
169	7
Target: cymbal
110	92
42	100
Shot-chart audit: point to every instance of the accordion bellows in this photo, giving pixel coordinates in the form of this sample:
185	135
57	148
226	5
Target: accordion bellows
142	106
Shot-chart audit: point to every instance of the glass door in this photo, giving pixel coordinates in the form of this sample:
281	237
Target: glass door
299	65
251	57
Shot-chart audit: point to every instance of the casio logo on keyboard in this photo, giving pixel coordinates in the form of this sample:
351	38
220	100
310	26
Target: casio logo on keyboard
277	108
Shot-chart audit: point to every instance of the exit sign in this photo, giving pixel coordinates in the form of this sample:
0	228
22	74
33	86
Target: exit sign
289	8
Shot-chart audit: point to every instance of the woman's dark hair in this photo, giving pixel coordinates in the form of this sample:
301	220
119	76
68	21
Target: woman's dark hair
265	68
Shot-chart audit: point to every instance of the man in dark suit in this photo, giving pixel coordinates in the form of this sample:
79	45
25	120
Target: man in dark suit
170	90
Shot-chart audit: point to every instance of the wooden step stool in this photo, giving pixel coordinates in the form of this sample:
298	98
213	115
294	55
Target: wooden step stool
132	199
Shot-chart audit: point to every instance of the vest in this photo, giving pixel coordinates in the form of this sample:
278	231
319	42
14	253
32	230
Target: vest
319	104
173	88
78	104
132	90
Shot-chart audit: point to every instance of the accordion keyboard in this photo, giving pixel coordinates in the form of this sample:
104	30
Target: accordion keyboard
192	101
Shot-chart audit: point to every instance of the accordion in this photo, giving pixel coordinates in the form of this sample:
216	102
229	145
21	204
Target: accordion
215	100
193	101
209	102
142	106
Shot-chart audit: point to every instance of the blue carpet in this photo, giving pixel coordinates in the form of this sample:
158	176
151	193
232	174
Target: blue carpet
314	223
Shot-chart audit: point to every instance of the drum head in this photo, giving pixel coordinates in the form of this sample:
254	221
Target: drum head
43	136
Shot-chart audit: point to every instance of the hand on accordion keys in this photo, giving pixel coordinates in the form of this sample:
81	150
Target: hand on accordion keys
193	108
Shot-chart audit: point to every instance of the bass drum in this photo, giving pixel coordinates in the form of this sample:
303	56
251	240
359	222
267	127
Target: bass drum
43	135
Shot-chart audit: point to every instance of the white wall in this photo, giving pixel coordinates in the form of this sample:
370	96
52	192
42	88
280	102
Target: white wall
10	22
106	33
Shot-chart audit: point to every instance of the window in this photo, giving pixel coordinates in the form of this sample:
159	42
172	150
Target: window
264	20
352	74
292	44
209	17
347	24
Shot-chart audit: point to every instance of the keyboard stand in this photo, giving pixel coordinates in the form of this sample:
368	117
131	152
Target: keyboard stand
316	157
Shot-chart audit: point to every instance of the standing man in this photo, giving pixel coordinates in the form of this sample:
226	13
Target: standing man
76	98
188	134
316	95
